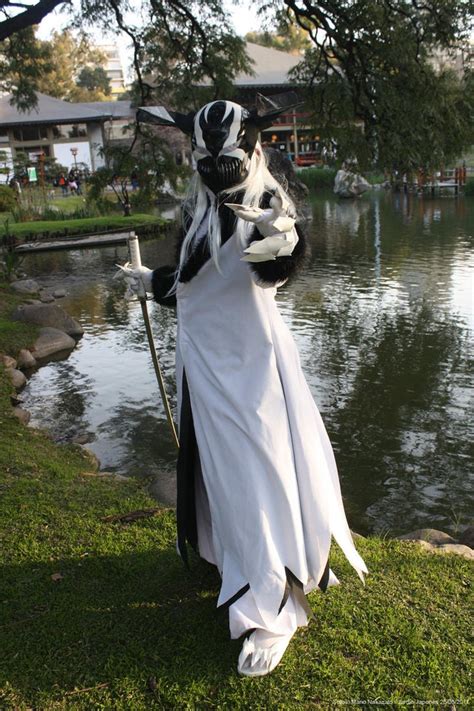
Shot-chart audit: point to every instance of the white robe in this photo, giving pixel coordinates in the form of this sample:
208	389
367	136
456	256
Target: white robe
269	498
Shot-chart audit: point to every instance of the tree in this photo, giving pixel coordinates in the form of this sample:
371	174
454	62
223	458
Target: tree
176	43
372	84
19	16
69	55
23	62
288	36
94	79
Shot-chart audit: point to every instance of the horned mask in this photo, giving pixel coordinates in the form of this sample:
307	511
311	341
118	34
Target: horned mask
223	136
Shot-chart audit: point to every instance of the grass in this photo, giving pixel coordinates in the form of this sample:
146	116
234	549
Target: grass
86	225
100	615
14	335
69	203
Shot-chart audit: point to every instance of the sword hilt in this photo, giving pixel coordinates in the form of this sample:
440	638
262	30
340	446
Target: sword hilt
134	249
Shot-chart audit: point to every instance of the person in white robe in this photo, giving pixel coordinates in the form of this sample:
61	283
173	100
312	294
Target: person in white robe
258	489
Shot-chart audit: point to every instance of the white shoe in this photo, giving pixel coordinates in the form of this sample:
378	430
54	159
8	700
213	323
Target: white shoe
262	652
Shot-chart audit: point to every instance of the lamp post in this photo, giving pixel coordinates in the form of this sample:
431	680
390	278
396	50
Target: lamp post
74	154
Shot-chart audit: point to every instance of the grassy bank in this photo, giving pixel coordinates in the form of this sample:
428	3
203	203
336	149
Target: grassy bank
323	178
67	228
102	615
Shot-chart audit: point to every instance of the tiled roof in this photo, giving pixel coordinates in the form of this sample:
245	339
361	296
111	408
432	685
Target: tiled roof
50	110
271	66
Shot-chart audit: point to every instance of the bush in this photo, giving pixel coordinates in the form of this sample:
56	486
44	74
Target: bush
469	188
7	199
316	178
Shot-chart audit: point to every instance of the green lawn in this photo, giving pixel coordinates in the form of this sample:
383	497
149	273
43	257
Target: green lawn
86	225
101	615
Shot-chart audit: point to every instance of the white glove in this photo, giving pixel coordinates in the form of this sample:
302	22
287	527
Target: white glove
139	280
277	226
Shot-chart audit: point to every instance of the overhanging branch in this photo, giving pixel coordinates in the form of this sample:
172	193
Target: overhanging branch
32	16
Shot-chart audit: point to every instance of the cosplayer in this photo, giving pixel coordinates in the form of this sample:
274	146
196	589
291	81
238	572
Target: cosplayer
258	489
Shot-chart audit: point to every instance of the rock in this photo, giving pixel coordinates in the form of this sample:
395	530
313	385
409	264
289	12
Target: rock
52	340
465	551
25	286
424	544
106	475
428	534
467	537
17	378
83	438
23	415
91	458
59	293
7	361
48	315
25	359
46	298
357	536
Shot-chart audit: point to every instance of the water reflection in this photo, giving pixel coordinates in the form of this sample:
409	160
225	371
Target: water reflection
383	320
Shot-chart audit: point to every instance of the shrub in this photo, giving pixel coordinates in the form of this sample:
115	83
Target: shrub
316	178
7	199
469	188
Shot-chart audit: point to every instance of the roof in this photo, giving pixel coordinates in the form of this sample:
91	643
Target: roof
50	110
115	109
271	66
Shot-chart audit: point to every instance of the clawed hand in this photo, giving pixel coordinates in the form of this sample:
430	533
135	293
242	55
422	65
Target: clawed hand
139	280
276	224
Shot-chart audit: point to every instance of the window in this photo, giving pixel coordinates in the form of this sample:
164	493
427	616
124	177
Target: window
3	135
30	133
32	152
70	130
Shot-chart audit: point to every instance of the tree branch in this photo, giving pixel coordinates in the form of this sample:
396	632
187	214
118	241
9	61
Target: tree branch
32	16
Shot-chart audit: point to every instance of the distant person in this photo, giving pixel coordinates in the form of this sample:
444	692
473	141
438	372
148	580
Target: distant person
134	180
72	184
16	187
62	182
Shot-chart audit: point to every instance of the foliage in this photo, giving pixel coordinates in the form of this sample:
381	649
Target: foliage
316	178
23	63
149	160
469	187
373	86
72	227
94	79
7	199
287	35
72	56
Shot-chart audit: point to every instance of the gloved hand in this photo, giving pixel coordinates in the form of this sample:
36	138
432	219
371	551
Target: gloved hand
277	226
139	280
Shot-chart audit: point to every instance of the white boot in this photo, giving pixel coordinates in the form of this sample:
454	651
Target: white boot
262	652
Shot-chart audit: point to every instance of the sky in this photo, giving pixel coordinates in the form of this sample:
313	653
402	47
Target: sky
244	19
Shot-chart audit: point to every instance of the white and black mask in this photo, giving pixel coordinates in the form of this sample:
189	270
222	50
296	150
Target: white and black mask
223	136
223	141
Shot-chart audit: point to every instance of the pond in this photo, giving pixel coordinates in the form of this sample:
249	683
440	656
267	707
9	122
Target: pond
383	319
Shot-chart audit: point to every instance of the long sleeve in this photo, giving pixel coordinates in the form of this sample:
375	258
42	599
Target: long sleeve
280	269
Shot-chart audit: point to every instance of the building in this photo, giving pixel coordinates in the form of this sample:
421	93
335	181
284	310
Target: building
114	67
71	133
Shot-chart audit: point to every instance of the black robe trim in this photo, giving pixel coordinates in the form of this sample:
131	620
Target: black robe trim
295	588
225	605
187	458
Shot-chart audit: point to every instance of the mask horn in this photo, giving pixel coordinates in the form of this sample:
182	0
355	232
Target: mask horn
268	108
162	117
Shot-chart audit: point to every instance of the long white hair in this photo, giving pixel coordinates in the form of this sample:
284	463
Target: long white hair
201	209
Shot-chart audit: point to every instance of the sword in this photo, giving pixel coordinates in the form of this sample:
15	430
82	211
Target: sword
136	262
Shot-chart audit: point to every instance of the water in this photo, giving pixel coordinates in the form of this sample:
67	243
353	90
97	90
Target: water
384	321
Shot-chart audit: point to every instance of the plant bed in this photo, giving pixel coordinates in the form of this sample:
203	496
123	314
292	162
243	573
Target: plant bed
57	229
